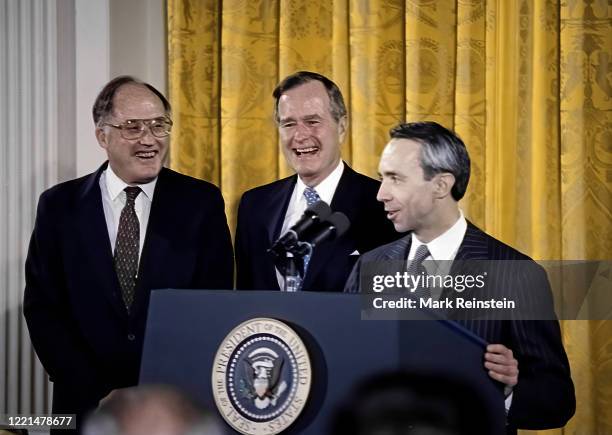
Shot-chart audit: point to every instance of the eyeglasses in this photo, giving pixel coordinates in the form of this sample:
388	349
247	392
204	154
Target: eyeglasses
135	128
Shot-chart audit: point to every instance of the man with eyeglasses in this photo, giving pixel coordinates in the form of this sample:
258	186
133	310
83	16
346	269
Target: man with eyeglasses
102	242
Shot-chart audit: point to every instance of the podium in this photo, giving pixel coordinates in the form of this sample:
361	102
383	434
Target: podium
185	329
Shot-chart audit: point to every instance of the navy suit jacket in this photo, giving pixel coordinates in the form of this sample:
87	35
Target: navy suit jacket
78	324
260	220
544	396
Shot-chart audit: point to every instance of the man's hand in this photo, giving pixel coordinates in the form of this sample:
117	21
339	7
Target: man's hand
501	364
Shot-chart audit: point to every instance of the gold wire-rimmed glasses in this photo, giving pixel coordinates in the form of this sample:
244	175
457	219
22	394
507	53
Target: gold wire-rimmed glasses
135	128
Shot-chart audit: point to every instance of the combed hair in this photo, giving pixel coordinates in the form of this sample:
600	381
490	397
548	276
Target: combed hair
103	106
337	106
441	151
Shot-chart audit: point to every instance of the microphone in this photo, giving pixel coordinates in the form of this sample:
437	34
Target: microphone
317	212
312	216
312	229
335	226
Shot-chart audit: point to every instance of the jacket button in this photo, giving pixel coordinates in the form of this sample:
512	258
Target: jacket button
131	337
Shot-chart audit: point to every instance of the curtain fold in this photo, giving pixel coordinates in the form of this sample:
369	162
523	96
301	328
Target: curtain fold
249	62
194	74
525	83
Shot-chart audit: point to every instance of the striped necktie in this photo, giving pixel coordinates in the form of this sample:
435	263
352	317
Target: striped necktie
416	268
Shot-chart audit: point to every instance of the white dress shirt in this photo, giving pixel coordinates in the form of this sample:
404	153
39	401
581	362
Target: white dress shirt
297	204
114	199
442	250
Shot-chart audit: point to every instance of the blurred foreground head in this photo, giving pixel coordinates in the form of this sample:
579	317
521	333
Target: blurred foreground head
402	403
150	410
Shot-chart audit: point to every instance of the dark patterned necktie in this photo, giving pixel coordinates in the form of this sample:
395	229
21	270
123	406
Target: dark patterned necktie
312	197
416	268
127	247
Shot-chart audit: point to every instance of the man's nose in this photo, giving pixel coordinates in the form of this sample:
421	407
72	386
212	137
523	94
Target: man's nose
382	194
147	137
301	131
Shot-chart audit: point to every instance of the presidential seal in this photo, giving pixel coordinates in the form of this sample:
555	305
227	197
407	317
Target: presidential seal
261	377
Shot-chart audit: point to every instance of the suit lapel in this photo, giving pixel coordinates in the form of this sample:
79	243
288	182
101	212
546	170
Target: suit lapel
273	210
93	233
157	241
342	201
398	251
473	246
394	259
276	209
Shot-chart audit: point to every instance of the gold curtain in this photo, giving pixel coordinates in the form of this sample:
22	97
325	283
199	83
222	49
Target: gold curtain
526	83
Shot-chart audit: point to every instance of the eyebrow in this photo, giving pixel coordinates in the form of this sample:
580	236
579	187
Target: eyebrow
314	116
157	118
391	174
289	118
305	118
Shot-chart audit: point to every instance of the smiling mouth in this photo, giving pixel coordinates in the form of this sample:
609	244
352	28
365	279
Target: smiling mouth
310	151
146	155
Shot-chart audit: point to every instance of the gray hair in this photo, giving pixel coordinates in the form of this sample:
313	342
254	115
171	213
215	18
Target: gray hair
441	151
336	101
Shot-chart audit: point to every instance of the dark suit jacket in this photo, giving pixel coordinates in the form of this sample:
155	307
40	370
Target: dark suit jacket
78	325
260	219
544	396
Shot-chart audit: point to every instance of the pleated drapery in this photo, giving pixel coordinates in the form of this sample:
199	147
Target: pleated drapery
525	83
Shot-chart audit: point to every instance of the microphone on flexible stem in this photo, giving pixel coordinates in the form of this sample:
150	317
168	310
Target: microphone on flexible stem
313	215
332	228
316	225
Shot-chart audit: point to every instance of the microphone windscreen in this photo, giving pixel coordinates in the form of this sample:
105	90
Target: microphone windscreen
340	222
319	209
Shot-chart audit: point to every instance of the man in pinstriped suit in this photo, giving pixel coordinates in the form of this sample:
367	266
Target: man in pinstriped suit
425	170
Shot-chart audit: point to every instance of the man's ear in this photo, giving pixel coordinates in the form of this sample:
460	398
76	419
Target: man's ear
101	137
443	184
342	128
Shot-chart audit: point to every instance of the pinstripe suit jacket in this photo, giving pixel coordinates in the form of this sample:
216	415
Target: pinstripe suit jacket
544	396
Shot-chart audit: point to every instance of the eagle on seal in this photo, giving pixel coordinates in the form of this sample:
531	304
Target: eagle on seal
262	375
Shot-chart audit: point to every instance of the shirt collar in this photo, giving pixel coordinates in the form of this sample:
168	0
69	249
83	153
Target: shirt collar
446	245
325	188
115	185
